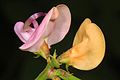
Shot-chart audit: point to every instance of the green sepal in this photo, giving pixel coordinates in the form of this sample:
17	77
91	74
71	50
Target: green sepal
41	53
54	61
37	55
61	59
66	66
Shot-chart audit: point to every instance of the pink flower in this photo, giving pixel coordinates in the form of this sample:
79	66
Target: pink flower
51	30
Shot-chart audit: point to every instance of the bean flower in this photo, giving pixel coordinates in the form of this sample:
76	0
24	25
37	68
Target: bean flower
53	28
88	47
86	53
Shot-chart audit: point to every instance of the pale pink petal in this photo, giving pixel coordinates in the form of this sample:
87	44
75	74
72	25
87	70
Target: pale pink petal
32	19
61	25
38	35
23	35
18	29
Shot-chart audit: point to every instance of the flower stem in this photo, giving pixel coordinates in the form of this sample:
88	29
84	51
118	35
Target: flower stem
43	75
53	71
65	75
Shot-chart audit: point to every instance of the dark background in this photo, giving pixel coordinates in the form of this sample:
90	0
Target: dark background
18	65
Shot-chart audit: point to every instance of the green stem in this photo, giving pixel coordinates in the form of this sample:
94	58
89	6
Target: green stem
60	73
65	75
43	75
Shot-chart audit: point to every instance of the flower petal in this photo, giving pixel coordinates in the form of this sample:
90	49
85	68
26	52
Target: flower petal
18	29
23	35
37	37
87	53
61	25
32	19
81	31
